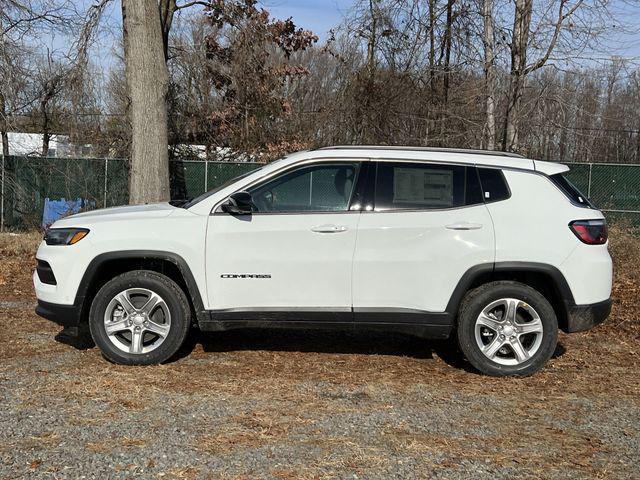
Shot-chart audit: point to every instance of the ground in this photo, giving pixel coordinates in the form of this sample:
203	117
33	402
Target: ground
255	404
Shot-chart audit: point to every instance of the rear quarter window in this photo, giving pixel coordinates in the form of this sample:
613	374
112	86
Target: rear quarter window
570	191
494	185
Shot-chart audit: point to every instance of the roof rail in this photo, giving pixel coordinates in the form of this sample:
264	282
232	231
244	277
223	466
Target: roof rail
424	149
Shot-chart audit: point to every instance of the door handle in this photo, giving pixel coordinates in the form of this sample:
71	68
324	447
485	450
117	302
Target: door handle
464	226
329	229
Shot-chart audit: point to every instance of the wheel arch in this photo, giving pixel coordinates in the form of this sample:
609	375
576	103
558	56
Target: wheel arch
108	265
545	278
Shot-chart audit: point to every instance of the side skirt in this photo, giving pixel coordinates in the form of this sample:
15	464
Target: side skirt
413	322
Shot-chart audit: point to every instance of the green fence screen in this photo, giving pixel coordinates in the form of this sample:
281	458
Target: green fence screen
27	181
614	188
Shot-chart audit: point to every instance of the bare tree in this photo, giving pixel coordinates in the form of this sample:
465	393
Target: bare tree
18	19
489	137
520	68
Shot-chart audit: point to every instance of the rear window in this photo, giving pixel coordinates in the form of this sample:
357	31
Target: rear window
571	191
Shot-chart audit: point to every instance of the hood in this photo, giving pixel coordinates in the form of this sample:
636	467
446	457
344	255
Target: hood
132	212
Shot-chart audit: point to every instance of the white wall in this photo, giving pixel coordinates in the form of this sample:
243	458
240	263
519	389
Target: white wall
31	144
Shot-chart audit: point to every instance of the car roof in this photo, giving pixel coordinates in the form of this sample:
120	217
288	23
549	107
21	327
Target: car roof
488	158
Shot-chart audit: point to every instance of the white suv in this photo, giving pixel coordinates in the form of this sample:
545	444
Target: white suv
493	248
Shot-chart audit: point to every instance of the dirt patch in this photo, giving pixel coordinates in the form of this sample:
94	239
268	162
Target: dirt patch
257	404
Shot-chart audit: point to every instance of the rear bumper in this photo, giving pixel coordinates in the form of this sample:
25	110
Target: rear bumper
584	317
65	315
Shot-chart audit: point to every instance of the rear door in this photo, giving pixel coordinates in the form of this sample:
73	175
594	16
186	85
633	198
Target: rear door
423	226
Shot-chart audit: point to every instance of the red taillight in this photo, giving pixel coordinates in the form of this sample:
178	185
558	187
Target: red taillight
591	232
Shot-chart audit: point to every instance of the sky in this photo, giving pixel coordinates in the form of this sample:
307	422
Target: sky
316	15
320	16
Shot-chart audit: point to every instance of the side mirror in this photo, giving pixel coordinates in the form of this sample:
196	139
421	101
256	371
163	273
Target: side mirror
239	203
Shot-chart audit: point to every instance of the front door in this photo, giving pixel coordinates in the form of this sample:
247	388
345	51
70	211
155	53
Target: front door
293	256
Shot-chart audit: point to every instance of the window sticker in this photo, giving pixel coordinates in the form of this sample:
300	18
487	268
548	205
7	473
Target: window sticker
423	187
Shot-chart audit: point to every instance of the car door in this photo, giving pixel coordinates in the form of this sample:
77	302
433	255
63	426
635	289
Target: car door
294	253
424	225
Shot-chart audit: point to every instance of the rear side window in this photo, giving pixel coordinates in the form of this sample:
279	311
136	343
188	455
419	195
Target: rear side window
494	185
415	186
571	191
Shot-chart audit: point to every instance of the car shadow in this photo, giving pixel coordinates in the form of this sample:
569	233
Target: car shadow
325	341
559	351
312	341
76	337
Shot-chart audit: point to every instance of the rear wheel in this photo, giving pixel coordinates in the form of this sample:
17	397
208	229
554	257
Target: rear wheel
507	328
139	318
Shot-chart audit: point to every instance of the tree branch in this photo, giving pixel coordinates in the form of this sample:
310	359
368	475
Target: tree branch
193	3
556	34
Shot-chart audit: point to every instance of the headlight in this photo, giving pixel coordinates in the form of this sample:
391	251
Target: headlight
65	236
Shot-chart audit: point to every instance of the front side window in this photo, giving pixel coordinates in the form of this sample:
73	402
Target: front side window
416	186
326	187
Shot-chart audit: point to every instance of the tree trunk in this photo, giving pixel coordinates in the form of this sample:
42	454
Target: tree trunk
366	135
4	136
432	46
46	128
147	85
637	152
447	50
167	9
489	77
519	43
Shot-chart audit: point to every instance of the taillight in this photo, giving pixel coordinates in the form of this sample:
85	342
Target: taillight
591	232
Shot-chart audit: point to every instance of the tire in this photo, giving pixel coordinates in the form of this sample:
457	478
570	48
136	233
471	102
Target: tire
516	334
141	332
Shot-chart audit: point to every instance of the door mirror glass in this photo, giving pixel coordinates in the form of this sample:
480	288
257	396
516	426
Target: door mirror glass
239	203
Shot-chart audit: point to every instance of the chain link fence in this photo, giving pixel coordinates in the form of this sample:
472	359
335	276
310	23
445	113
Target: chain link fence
100	182
27	181
613	188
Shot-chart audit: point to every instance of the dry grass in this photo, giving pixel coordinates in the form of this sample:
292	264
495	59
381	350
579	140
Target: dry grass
624	245
17	261
354	405
15	244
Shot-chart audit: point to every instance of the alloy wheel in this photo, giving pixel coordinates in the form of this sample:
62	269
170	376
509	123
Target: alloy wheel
508	331
137	320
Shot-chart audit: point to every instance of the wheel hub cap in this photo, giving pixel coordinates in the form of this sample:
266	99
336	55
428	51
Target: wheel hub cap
508	331
137	320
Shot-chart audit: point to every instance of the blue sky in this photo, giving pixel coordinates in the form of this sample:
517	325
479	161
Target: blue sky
316	15
322	15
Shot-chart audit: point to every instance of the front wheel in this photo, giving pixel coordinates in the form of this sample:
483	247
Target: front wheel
507	328
139	318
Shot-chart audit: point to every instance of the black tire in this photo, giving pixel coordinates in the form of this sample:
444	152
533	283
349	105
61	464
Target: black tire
175	300
473	304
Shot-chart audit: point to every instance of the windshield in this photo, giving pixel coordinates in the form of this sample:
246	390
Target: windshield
192	202
571	191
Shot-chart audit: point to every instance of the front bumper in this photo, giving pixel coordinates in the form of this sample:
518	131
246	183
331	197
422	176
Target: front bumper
584	317
65	315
